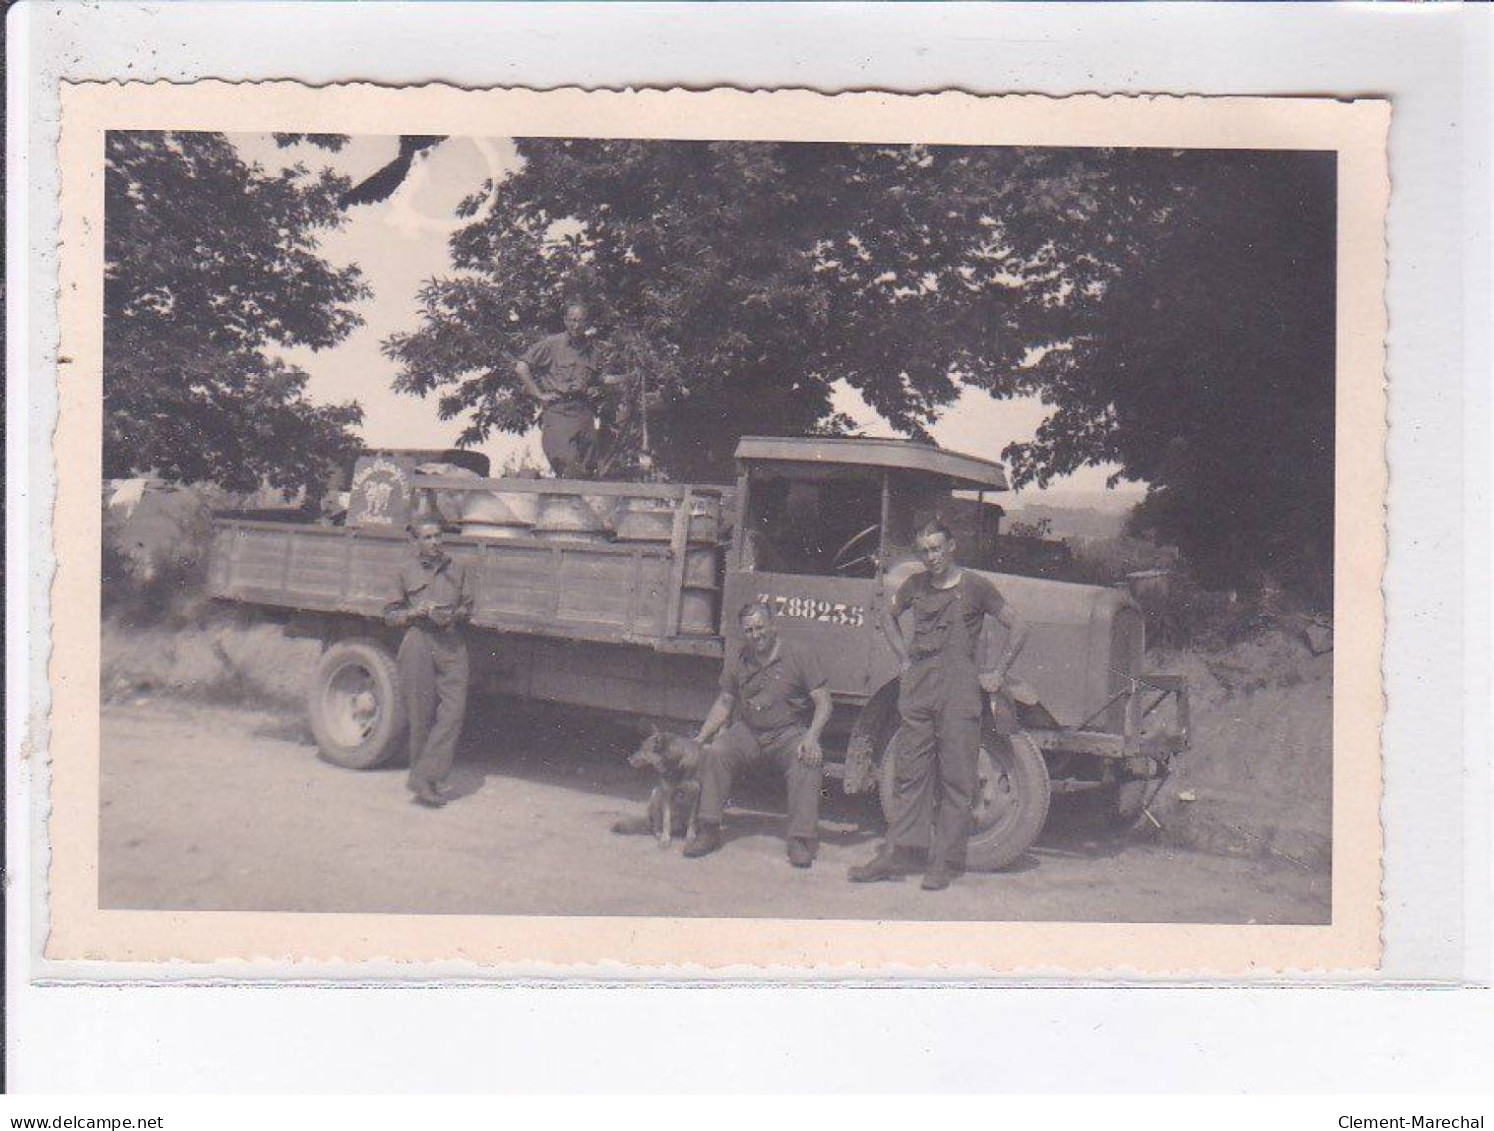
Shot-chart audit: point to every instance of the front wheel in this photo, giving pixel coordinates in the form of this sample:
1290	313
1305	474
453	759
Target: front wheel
356	705
1012	794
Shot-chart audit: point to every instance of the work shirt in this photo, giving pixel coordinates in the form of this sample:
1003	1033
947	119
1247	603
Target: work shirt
933	610
772	693
558	367
422	583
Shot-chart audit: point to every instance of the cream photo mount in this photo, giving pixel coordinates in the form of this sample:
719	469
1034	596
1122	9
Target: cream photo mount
78	929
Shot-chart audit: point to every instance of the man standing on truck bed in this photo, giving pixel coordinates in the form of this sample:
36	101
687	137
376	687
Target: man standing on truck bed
560	371
939	699
432	604
782	700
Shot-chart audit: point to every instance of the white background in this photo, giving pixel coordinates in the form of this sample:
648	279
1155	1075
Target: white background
1431	59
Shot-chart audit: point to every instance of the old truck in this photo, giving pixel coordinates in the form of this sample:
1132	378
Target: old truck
623	598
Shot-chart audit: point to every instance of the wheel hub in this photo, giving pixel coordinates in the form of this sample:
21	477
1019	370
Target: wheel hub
352	704
995	793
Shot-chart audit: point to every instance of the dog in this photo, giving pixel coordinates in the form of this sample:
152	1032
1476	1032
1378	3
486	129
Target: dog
675	800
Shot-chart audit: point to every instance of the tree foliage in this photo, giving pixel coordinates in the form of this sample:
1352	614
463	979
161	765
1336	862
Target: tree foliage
1169	307
1208	371
754	277
208	261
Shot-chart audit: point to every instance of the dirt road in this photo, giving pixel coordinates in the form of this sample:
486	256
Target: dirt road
217	808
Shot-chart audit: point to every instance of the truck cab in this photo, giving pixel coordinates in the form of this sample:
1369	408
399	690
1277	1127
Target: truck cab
826	537
826	523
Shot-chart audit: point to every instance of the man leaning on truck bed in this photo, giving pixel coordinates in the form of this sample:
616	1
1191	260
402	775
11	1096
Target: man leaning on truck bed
560	371
432	603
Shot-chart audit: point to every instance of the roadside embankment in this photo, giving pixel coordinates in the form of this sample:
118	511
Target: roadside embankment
1257	780
217	660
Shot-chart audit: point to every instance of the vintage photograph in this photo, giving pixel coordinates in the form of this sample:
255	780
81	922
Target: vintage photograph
740	528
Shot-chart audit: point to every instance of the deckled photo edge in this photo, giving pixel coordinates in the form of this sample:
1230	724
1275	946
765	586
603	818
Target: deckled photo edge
1356	130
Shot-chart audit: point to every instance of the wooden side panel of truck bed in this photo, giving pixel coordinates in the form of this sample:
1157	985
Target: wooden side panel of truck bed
613	593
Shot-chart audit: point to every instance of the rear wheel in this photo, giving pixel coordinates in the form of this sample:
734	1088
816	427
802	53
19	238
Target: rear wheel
1012	794
357	709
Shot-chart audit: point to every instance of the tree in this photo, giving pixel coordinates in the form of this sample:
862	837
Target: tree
744	280
382	183
208	261
1173	307
1208	372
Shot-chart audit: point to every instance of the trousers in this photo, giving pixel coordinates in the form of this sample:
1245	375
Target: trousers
937	751
568	435
433	670
737	747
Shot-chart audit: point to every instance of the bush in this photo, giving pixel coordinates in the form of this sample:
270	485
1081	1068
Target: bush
1084	560
154	557
1110	561
1042	528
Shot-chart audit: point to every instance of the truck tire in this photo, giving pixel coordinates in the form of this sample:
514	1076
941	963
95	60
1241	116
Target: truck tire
356	706
1012	795
866	752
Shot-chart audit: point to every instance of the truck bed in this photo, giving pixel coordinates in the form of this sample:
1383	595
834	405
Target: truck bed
597	591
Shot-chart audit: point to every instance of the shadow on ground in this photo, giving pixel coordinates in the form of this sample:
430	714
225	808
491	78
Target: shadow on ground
546	746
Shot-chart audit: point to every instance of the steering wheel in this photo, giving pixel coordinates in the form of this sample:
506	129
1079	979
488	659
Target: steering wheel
842	561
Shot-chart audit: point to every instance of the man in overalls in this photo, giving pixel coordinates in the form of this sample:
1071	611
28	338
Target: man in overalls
940	701
432	604
560	371
782	700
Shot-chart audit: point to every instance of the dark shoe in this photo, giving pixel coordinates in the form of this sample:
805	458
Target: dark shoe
800	852
704	842
427	796
887	864
939	876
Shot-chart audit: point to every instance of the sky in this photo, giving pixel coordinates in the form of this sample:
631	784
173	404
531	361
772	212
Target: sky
402	242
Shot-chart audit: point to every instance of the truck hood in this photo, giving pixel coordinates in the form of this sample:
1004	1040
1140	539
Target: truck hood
1084	641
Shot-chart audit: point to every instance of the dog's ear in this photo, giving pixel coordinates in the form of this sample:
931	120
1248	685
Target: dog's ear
650	752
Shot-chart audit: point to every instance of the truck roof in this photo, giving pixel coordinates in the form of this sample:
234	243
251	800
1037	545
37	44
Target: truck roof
905	455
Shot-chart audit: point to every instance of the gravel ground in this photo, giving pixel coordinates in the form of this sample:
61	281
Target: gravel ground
218	808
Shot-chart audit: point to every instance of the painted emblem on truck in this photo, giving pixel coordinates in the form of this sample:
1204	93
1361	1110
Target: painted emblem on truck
380	493
815	609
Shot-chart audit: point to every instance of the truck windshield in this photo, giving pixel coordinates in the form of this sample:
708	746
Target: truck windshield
824	522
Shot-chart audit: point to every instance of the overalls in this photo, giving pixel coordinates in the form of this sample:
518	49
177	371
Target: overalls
938	746
433	672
